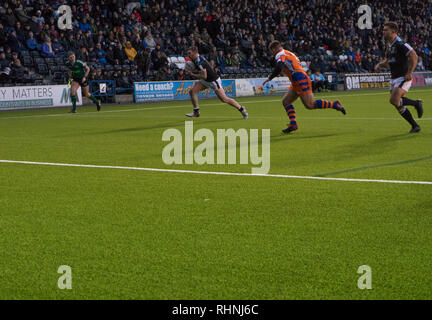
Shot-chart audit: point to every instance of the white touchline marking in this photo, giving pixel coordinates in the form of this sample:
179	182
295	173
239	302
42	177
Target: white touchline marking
213	173
188	106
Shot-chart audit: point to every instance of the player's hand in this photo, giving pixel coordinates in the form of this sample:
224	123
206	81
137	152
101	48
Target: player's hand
408	77
377	68
84	79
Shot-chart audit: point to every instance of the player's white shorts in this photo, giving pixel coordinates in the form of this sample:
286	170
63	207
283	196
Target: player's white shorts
215	85
400	83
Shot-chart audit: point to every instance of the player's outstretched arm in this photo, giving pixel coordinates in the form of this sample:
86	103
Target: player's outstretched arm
277	70
382	64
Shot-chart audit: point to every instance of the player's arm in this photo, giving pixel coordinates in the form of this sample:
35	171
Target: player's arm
199	75
412	63
87	71
277	70
382	64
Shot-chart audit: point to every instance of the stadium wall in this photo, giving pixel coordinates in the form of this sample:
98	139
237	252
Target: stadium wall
363	81
31	97
179	90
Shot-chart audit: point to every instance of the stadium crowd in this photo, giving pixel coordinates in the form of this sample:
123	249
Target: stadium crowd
131	41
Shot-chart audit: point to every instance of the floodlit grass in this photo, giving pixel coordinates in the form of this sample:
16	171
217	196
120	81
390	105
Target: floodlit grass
163	235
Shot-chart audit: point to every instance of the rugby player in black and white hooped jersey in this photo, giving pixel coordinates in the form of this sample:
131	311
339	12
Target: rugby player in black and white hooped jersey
208	78
402	60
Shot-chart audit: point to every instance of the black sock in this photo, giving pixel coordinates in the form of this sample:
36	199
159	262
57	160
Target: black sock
409	102
408	117
196	110
241	109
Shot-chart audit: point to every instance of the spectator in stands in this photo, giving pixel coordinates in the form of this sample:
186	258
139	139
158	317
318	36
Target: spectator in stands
228	60
21	14
319	83
236	60
168	74
92	55
13	41
332	67
160	61
31	42
88	39
340	66
110	55
57	47
119	53
130	51
39	18
137	44
18	71
351	66
9	19
3	35
221	61
153	54
4	62
249	63
149	41
124	80
47	50
315	64
19	32
93	75
78	42
169	48
420	66
99	75
83	55
180	76
142	60
100	54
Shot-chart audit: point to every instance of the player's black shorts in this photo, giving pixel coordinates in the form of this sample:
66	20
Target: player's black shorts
80	81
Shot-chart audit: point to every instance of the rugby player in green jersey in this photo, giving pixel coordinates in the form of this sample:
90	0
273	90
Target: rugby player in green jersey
78	73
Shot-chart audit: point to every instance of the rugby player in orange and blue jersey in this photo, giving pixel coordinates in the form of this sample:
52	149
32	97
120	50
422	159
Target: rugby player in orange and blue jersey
301	86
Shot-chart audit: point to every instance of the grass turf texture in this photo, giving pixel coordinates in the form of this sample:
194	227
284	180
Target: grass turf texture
159	235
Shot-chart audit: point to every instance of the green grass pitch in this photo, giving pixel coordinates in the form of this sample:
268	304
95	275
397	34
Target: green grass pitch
160	235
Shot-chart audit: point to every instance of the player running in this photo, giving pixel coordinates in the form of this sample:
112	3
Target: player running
402	61
288	63
208	79
78	72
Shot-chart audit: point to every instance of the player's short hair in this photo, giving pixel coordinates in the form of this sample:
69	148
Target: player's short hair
193	49
274	45
70	53
392	25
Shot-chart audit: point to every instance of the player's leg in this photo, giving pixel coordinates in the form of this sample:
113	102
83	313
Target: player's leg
220	93
193	92
404	86
396	99
310	103
287	101
86	93
304	89
74	88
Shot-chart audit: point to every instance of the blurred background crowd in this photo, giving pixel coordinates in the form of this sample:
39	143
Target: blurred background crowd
129	41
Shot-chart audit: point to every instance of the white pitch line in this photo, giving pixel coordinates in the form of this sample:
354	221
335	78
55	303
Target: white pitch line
213	173
189	105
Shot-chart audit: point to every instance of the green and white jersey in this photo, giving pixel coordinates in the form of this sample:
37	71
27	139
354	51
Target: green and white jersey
78	68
